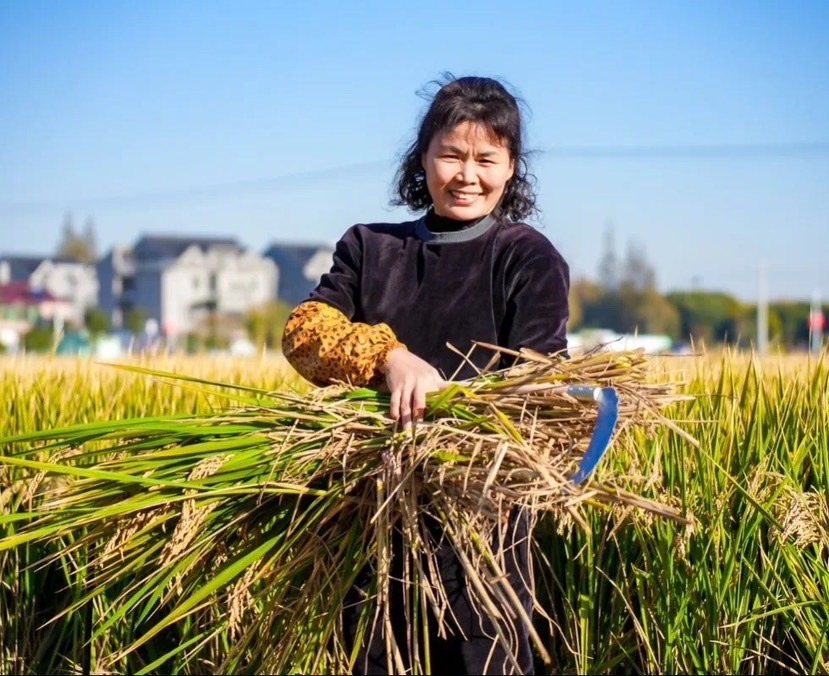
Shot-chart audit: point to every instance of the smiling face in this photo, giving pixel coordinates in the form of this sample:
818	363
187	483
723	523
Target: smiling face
467	171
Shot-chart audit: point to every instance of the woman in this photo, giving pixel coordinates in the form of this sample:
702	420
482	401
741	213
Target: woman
467	270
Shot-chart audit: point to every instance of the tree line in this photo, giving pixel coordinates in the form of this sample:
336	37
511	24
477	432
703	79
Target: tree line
624	298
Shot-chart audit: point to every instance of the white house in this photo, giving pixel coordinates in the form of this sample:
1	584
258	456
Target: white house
177	281
116	277
21	308
300	268
74	283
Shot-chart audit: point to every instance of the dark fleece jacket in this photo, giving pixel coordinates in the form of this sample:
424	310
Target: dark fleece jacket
435	281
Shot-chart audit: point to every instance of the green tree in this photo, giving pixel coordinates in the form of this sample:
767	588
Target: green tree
637	273
574	302
39	339
794	322
90	239
75	246
746	326
656	314
608	265
637	305
604	312
599	307
708	316
96	321
266	323
135	320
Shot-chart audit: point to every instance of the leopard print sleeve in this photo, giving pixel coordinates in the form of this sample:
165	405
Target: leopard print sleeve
322	344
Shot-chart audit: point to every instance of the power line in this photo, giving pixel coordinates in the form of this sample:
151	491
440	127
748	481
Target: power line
708	151
207	190
690	151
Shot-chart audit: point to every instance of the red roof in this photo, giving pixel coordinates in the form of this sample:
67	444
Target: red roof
19	293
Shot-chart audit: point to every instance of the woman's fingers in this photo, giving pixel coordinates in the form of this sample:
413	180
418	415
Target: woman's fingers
406	404
412	404
419	401
409	379
394	404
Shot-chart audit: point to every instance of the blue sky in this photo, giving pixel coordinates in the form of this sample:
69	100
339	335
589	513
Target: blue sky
277	121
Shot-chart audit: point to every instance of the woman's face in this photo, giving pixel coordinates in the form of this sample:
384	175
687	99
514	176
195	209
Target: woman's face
467	171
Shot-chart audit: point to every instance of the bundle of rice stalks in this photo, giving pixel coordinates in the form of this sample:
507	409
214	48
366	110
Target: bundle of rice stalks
228	543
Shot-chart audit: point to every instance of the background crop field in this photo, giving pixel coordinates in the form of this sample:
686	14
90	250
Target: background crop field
745	590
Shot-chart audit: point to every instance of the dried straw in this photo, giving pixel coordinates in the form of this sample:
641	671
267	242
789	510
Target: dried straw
503	442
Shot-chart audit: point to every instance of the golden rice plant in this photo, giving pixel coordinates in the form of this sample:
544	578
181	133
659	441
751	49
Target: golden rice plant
746	589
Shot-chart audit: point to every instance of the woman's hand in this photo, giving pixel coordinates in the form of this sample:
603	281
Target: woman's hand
409	379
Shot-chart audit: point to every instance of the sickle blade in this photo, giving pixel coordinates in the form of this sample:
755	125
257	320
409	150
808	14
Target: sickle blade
608	403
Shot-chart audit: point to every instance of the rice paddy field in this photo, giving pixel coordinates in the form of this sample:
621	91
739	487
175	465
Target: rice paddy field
741	587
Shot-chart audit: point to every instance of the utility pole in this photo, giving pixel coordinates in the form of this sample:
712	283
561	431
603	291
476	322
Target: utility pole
762	310
816	323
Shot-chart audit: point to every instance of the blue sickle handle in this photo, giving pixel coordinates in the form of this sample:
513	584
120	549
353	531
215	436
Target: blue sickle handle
608	403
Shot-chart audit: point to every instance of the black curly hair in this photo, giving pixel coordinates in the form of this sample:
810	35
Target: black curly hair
480	100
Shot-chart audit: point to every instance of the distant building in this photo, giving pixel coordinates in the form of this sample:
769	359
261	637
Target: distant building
610	341
116	281
66	280
300	268
178	281
21	308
